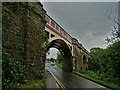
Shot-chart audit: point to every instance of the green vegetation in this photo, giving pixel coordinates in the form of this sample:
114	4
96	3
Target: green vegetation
22	45
13	67
33	85
59	65
59	59
104	65
52	60
96	78
13	71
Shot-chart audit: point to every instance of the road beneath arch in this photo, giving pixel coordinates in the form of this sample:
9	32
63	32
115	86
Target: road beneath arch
70	80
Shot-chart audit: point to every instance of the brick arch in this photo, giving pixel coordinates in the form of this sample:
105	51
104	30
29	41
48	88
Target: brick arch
85	62
65	51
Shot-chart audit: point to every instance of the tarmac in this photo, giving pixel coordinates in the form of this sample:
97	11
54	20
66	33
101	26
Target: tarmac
50	81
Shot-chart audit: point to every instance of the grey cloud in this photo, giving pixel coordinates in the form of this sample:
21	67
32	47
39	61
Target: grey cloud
84	20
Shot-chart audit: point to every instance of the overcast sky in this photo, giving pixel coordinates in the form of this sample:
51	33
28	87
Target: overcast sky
86	21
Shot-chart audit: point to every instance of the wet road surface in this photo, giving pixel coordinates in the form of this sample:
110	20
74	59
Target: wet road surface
50	82
71	80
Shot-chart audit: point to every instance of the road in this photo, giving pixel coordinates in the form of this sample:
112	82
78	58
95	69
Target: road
71	80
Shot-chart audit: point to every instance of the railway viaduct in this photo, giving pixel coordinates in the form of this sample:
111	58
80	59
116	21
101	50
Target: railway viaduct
75	55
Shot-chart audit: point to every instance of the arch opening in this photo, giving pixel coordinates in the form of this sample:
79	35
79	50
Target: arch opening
84	59
85	66
65	51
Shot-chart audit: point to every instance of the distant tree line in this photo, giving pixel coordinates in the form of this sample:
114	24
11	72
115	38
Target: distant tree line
106	62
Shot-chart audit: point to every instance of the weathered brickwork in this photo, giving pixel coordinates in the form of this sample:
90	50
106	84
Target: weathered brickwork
80	57
23	32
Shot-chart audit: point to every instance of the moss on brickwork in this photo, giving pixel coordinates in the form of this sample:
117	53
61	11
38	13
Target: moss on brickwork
23	36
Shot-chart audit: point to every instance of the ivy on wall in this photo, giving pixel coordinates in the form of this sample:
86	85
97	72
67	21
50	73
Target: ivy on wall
23	36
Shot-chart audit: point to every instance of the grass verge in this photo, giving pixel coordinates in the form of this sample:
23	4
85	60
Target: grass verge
59	65
93	78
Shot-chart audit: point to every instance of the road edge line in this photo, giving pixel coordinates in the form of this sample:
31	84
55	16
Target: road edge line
58	81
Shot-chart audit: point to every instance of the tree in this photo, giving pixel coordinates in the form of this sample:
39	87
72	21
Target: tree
52	59
95	62
115	60
114	45
115	34
59	57
106	62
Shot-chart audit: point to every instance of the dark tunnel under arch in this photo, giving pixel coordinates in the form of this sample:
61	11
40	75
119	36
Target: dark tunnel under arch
65	51
84	59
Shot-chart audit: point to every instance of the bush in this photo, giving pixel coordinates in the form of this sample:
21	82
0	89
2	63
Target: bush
13	71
